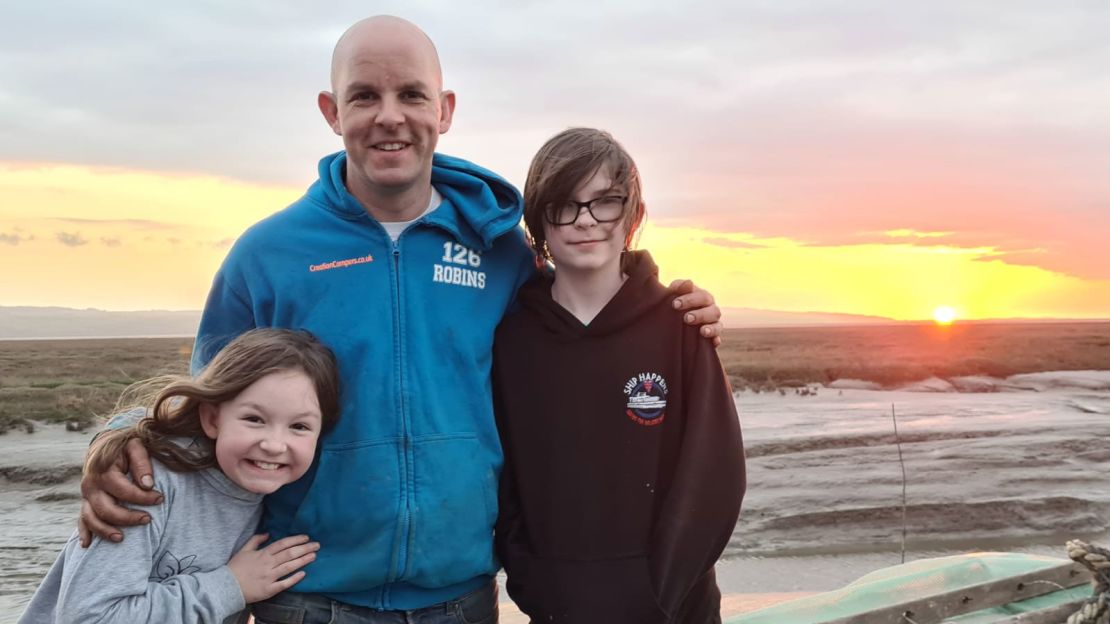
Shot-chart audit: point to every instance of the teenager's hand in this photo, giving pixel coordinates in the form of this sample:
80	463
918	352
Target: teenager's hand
102	492
273	569
699	309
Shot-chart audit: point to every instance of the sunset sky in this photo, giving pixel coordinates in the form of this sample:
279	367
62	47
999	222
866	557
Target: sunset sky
867	157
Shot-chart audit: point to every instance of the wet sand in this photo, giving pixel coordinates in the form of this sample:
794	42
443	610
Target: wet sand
1023	466
39	501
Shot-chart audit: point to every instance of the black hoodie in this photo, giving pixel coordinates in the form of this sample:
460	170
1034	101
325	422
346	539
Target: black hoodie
624	468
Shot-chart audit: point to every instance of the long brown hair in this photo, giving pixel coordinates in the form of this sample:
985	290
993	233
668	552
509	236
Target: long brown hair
567	160
172	403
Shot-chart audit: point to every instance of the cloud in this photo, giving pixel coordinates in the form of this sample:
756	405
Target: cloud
15	238
730	243
708	66
222	244
790	119
137	224
108	233
908	233
71	240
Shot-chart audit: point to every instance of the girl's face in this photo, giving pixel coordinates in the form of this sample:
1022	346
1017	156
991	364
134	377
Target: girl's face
588	245
266	437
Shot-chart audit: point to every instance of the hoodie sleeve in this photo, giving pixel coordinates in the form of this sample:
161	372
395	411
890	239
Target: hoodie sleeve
706	482
109	582
227	313
510	542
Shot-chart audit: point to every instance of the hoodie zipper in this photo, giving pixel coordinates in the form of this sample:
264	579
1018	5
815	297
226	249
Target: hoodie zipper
404	524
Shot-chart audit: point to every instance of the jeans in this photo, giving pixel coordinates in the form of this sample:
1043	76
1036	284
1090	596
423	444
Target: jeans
477	607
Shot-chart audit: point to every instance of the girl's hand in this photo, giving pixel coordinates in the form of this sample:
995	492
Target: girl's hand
273	569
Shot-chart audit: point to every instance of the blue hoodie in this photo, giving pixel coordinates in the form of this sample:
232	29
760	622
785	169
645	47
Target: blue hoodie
403	494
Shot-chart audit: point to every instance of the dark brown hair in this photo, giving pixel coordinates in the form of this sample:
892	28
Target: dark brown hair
172	404
567	160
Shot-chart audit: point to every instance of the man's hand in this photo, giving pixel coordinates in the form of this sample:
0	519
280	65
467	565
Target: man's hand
272	570
699	309
101	494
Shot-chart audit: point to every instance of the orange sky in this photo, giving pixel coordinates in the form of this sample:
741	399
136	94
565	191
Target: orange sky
122	240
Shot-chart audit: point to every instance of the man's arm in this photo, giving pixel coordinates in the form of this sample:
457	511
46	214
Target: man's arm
699	308
101	512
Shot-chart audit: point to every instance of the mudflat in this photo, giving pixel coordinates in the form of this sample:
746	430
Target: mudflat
999	454
79	380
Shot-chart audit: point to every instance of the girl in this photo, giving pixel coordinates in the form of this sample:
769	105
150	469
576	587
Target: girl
245	426
624	468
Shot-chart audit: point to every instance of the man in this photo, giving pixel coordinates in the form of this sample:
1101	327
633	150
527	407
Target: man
403	261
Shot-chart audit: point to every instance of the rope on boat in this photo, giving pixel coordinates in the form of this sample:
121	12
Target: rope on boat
1096	610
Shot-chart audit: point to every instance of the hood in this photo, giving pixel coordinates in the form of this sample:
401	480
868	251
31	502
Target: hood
639	295
478	205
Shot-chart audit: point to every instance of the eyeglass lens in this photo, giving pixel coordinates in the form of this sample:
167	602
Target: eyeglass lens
602	209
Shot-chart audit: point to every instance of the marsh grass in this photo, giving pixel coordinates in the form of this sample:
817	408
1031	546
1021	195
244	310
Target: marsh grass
897	354
79	381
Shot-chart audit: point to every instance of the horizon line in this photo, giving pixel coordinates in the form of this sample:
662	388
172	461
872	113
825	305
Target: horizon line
866	319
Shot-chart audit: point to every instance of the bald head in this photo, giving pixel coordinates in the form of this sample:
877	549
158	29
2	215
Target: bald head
383	35
389	105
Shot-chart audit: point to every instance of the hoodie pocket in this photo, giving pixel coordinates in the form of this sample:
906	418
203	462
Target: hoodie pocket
607	590
455	505
352	509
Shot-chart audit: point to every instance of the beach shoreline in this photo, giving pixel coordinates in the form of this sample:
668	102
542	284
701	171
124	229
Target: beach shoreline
1018	470
42	469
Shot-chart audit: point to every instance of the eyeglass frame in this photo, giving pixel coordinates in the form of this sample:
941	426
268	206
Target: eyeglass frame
588	205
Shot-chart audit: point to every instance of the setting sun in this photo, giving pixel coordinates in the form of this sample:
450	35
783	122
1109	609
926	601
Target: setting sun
944	315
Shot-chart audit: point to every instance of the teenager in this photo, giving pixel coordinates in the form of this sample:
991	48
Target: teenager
624	467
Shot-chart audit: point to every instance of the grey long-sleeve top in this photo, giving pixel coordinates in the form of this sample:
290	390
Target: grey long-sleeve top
172	570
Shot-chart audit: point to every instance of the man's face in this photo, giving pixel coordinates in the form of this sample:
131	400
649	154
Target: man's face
390	112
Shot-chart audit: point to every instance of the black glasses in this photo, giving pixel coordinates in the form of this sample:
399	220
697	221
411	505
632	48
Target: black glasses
603	209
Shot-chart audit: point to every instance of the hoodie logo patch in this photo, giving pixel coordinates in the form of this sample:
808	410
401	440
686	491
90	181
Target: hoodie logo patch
461	268
647	398
340	264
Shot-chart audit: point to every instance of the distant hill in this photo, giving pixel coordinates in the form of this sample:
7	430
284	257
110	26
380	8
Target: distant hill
752	317
18	323
21	323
